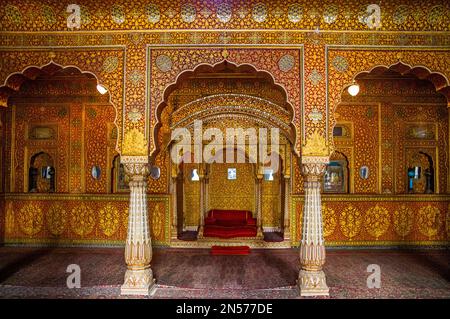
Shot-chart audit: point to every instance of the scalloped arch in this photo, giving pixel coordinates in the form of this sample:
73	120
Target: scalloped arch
439	80
421	72
14	81
213	67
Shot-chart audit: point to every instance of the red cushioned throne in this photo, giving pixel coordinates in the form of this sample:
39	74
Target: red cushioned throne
229	223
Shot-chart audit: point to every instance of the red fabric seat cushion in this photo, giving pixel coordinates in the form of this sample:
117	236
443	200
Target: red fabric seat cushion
229	232
210	221
229	223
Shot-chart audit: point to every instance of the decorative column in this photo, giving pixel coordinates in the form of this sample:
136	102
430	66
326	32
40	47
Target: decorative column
259	177
201	223
138	248
311	279
174	181
286	224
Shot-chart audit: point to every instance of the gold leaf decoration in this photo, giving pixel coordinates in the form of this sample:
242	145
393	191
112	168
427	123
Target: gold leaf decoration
315	145
403	221
82	220
429	221
56	219
30	219
9	222
125	219
350	222
448	221
377	221
135	143
157	221
329	220
109	220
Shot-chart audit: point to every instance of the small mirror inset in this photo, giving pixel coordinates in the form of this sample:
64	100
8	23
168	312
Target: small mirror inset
194	175
268	174
231	173
364	172
155	172
96	172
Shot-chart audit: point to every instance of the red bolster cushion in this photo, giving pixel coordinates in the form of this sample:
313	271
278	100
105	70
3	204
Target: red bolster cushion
251	221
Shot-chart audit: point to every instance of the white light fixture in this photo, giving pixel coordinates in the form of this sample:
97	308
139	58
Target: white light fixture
101	89
353	89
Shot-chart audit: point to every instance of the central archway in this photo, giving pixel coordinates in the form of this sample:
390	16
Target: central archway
224	97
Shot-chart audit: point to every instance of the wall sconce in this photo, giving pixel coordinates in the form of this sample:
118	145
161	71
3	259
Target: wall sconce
353	89
101	89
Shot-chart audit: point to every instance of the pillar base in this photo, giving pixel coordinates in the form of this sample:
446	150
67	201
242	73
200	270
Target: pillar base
259	233
138	282
200	232
312	283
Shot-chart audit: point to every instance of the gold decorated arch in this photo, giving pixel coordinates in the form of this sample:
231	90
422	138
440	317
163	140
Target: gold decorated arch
105	64
344	64
169	65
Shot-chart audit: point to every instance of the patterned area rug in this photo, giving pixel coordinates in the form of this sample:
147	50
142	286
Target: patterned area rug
188	273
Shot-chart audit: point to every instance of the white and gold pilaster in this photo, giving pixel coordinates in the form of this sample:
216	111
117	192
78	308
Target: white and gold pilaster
311	279
286	224
173	185
259	222
201	223
138	248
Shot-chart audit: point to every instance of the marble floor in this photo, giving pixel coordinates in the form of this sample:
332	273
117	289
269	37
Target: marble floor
194	273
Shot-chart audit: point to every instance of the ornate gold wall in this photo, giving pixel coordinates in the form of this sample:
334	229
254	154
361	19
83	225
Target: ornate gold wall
232	194
373	220
191	197
78	219
136	50
83	138
272	209
135	26
382	126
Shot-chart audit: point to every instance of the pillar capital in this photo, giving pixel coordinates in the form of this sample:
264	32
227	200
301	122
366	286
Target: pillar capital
137	167
314	166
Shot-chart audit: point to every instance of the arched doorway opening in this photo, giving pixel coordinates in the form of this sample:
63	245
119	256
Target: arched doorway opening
399	113
394	136
42	173
62	112
221	98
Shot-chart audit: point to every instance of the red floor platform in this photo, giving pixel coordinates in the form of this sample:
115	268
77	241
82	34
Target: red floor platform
230	250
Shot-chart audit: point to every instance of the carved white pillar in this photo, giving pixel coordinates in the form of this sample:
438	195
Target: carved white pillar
138	248
286	224
311	279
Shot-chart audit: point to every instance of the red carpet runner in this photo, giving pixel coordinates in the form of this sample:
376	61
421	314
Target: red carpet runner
230	250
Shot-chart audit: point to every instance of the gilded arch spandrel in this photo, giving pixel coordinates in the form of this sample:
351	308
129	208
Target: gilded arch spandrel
165	65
